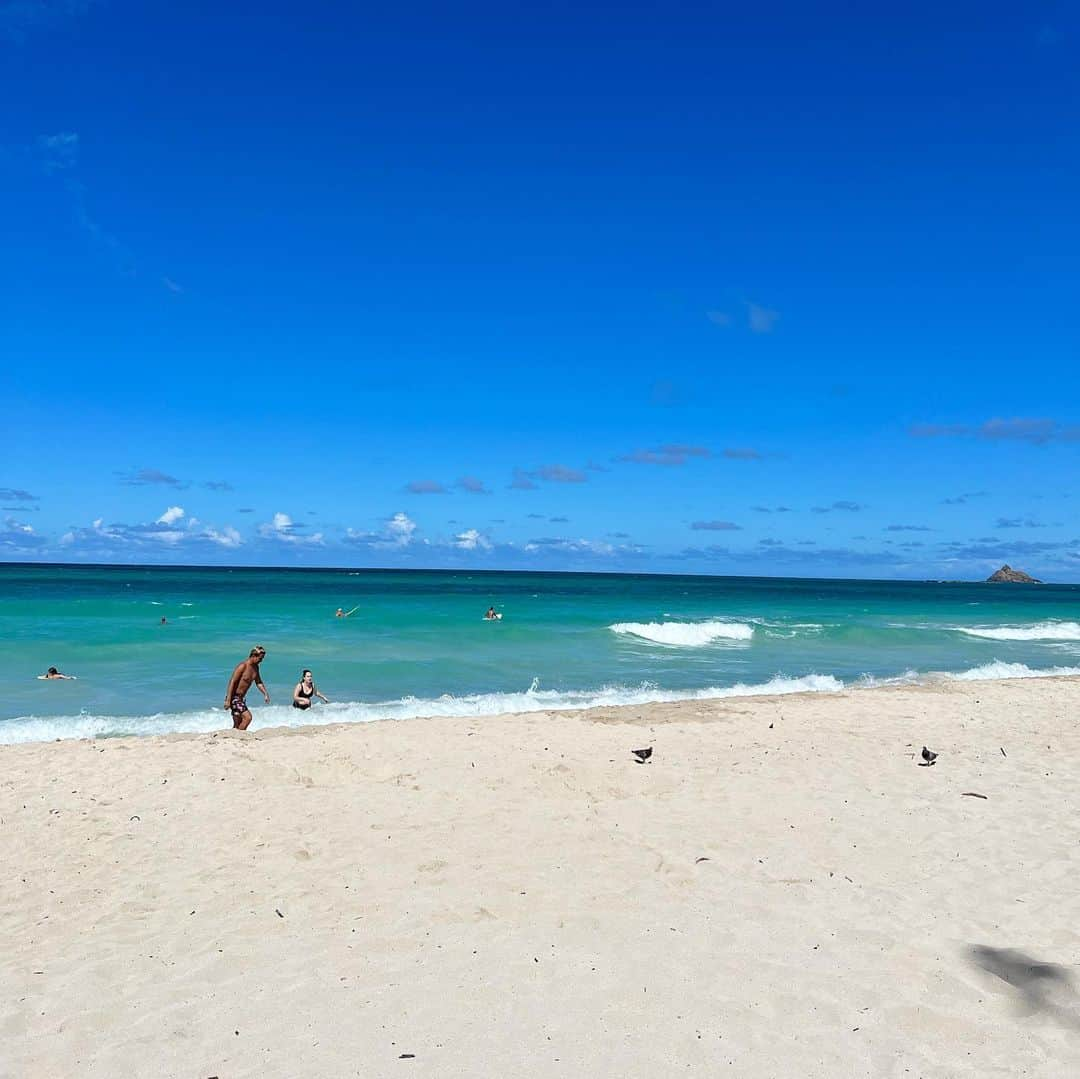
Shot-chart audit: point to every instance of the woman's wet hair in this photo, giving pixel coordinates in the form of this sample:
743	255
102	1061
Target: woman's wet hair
305	671
53	670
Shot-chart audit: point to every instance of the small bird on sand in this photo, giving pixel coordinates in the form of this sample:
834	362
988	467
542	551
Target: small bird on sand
928	757
642	754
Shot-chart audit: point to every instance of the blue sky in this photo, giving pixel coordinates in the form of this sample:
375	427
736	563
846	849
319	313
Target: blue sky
676	288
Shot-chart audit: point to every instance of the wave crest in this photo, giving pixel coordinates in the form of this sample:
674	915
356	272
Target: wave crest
997	669
685	634
46	729
534	699
1037	631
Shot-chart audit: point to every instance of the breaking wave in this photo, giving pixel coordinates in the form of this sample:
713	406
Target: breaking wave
871	681
997	669
1038	631
685	634
534	699
48	728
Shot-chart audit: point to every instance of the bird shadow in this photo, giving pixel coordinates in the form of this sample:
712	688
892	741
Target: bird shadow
1040	988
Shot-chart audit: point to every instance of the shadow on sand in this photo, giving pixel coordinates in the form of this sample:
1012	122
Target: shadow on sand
1040	988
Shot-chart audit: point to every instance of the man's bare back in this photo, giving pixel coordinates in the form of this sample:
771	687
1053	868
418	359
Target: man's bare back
245	673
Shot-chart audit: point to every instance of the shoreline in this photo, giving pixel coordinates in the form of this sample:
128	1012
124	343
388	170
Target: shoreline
931	681
621	713
781	890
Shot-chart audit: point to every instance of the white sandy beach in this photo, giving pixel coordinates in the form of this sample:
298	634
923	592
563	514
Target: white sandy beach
781	891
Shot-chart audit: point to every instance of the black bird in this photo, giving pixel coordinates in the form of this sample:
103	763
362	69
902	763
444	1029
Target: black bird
642	754
928	757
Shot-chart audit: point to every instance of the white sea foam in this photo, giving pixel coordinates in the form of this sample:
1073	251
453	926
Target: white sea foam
1037	631
47	728
685	634
790	629
871	681
997	669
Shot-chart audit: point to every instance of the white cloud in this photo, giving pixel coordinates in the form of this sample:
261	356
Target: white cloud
281	523
397	532
282	530
400	529
569	546
227	537
171	515
102	536
96	530
19	536
472	540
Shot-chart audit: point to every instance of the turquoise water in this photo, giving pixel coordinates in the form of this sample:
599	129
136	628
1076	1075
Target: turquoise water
418	644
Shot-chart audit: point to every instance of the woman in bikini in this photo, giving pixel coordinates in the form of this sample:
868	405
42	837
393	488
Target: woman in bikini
305	690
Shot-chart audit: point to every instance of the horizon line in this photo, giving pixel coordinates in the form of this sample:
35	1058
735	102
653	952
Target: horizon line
549	572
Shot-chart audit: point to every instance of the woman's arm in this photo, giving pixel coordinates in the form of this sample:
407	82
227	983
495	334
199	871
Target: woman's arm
296	696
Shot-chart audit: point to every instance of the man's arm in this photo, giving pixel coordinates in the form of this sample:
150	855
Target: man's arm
232	684
259	683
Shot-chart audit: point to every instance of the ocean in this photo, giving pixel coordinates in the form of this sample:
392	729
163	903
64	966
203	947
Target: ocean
418	644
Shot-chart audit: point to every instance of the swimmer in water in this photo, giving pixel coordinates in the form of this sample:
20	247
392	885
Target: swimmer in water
491	615
52	674
304	691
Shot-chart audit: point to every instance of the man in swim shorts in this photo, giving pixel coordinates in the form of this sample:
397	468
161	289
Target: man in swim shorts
245	673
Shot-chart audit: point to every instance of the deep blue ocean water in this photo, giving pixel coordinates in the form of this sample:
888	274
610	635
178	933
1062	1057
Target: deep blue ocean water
418	644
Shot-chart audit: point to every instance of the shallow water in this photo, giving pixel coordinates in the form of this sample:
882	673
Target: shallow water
418	644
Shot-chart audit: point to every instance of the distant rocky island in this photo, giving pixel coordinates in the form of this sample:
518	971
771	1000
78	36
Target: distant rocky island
1008	575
